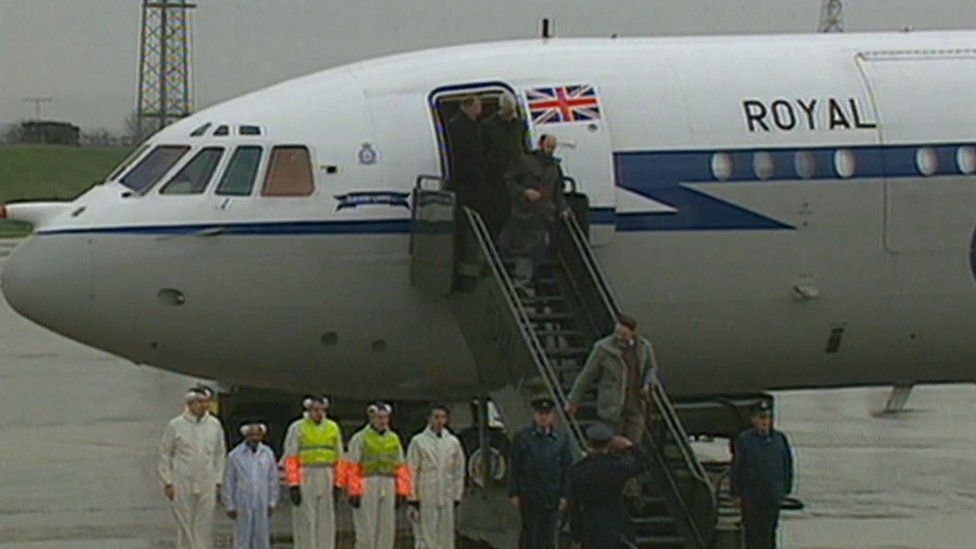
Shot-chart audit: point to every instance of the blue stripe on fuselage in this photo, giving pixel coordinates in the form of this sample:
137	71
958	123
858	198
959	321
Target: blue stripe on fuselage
663	176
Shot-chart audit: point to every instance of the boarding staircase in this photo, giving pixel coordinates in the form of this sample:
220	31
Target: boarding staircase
538	340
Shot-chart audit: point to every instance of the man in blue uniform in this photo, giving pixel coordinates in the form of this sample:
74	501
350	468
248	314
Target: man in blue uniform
598	514
538	480
762	476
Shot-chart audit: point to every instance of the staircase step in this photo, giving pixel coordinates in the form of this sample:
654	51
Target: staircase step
559	333
652	520
544	299
660	541
550	316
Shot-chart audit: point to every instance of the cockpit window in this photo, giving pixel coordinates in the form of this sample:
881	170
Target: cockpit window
127	162
193	178
238	178
289	172
201	130
222	130
153	166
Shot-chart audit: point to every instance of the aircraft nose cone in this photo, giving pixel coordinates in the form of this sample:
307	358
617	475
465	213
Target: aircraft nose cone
14	282
48	281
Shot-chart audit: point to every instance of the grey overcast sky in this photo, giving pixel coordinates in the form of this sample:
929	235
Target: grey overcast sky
84	53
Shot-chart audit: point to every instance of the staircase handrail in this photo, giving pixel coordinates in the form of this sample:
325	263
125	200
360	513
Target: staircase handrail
659	398
490	252
594	270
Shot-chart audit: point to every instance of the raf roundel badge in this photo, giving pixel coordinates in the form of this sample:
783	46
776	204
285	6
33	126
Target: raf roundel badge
367	154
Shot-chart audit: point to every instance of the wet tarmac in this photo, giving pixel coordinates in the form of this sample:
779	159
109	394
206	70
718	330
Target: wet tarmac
80	428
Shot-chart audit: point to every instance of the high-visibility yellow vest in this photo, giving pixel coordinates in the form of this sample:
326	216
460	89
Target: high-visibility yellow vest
319	443
381	453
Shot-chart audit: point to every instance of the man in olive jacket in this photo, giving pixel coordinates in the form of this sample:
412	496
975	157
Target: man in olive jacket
624	367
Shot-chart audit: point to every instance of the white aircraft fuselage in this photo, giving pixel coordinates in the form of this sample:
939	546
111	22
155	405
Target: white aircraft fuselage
779	211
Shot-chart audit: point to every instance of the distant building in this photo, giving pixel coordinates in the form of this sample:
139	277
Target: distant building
46	132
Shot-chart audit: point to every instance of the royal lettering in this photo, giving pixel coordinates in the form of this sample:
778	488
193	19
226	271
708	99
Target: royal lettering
806	114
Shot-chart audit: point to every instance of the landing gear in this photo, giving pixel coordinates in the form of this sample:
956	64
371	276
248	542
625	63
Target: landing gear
485	445
897	399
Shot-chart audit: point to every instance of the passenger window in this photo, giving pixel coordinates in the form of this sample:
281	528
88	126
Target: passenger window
152	167
289	173
193	178
238	178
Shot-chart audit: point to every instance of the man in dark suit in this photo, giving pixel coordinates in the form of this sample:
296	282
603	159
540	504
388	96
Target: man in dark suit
466	153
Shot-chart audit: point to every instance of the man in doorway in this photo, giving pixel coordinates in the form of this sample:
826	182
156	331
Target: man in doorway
466	154
191	467
762	476
250	491
535	183
504	136
624	368
436	462
539	458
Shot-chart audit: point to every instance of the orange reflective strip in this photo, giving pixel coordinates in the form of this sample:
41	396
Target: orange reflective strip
404	484
293	471
341	473
354	479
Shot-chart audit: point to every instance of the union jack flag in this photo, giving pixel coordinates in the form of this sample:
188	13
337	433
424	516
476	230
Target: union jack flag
559	104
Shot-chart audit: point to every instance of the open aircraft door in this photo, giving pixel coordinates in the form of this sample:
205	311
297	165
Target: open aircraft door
574	114
929	148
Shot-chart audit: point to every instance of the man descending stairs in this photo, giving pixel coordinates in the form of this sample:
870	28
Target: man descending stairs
567	346
541	334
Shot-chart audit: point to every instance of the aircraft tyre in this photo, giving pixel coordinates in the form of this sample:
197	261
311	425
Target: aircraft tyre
499	446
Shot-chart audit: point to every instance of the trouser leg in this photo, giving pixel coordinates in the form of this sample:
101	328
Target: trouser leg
243	526
631	426
183	512
386	513
445	526
369	515
538	528
203	517
436	526
303	519
772	523
261	528
760	522
325	530
523	270
427	526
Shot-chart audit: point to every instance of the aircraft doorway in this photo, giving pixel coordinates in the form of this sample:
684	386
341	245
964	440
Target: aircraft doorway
477	143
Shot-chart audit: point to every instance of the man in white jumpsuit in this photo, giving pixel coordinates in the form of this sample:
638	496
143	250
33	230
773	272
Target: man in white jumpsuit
436	462
251	489
191	467
377	479
313	469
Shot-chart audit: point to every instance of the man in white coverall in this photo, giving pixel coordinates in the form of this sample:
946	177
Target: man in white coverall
377	479
251	488
436	462
313	468
191	467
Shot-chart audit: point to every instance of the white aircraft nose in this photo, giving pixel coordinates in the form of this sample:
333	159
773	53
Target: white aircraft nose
48	280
